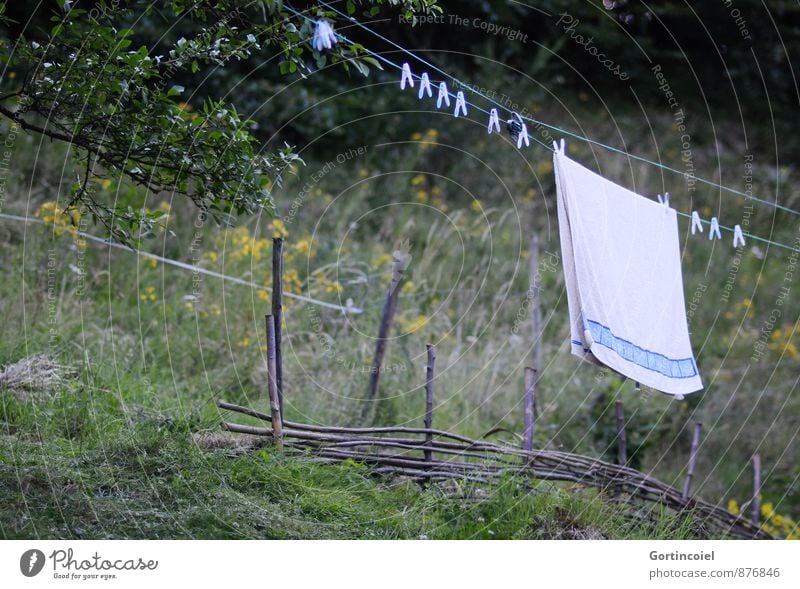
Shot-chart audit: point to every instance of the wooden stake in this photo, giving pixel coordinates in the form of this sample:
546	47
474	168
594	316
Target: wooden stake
429	402
756	511
692	460
277	312
529	402
399	264
274	402
622	444
536	313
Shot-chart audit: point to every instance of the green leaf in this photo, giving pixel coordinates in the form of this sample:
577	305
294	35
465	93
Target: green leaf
373	62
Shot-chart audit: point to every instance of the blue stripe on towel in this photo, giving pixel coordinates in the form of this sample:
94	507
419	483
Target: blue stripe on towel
670	367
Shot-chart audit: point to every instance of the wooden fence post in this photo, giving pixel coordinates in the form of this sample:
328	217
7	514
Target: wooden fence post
756	505
536	314
622	444
529	402
272	385
429	402
277	312
400	263
692	460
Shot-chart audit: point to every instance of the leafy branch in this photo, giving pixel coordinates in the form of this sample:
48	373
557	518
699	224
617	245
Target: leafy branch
119	105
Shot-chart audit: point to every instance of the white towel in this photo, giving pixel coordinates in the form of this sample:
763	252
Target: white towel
623	276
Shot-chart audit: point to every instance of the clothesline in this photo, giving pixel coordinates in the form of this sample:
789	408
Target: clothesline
178	264
472	89
407	73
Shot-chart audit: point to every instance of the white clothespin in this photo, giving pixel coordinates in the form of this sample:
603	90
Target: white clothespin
738	236
494	121
664	201
714	229
425	86
563	146
523	137
324	37
696	224
461	104
555	146
406	77
444	96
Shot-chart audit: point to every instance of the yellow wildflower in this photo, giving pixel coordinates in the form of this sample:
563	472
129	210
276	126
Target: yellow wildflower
278	228
416	324
334	287
545	166
304	246
149	294
291	281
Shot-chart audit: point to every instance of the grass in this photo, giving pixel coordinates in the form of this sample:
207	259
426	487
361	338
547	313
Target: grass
127	444
71	473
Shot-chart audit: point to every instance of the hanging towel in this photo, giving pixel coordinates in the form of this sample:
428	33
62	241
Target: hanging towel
623	275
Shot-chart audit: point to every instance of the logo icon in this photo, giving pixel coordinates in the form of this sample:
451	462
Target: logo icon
31	562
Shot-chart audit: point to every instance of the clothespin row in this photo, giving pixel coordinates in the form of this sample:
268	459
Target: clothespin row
714	232
519	132
515	125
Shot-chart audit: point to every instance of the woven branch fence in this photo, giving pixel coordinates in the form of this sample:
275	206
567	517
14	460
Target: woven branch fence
430	454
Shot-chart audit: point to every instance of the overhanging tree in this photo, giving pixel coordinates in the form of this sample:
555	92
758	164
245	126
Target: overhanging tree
119	107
